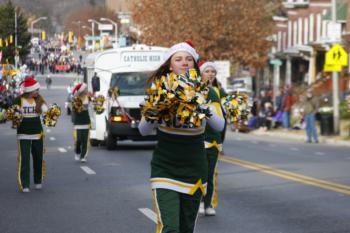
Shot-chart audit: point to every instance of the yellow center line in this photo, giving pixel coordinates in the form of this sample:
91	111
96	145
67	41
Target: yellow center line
340	188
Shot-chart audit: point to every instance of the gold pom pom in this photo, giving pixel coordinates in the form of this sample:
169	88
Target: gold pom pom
177	100
15	115
98	103
236	107
51	116
77	105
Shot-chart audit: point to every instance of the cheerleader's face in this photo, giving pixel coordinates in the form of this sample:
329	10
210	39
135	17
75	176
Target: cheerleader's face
180	62
209	75
34	94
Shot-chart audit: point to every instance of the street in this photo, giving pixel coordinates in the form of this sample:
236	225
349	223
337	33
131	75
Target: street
266	185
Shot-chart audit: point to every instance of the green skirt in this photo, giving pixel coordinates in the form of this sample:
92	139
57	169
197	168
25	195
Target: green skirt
181	158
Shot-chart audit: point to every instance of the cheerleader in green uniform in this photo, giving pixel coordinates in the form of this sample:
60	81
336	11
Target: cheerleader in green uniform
30	135
179	164
213	140
81	121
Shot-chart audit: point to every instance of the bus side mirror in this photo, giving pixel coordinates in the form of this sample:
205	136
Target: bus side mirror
95	83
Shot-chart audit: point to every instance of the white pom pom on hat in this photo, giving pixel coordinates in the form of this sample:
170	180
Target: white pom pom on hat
186	46
30	85
79	88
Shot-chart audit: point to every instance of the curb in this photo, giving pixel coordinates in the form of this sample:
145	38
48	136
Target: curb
328	141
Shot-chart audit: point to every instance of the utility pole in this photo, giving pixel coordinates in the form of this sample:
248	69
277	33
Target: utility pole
16	55
335	80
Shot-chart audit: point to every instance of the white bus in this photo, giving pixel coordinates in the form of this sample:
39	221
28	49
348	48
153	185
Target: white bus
128	69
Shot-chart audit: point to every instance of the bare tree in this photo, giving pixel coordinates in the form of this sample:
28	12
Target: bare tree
83	15
223	29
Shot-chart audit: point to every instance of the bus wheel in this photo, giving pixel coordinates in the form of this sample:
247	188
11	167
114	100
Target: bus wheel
94	142
111	142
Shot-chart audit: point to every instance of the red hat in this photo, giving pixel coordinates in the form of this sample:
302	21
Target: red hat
79	88
201	62
29	85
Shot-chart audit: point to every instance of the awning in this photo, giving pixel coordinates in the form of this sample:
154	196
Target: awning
342	9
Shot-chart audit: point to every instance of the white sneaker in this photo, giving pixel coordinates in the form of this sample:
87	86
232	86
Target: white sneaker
201	208
210	211
38	186
83	160
77	157
26	190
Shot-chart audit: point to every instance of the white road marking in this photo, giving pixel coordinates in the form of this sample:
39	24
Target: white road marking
294	149
69	147
52	139
319	153
48	130
62	150
239	139
149	214
88	170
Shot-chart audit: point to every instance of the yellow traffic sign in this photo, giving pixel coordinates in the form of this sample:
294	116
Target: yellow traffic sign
332	68
337	56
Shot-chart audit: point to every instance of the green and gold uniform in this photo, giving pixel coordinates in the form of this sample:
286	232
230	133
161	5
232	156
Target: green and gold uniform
179	171
213	145
30	141
81	121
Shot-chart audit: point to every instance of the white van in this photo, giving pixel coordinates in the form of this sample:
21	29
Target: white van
128	69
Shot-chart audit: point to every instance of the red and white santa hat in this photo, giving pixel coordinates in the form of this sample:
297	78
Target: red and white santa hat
186	46
204	65
29	85
79	88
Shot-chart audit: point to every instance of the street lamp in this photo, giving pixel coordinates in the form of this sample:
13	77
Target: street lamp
92	21
35	21
115	27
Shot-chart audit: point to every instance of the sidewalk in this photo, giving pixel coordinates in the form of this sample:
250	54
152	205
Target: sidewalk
299	135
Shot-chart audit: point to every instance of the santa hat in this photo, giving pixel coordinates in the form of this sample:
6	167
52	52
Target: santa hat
29	85
186	46
79	88
204	65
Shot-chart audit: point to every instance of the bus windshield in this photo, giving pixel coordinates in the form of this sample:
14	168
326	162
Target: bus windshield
133	83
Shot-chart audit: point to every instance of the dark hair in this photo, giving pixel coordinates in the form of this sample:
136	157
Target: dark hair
165	69
215	83
39	101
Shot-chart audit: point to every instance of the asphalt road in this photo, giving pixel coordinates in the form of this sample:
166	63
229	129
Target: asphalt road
266	185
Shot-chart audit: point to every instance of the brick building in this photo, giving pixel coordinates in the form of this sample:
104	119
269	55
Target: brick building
302	37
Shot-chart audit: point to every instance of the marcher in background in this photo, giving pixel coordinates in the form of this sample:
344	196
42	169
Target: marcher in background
212	140
30	135
48	82
179	165
310	107
81	121
287	106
